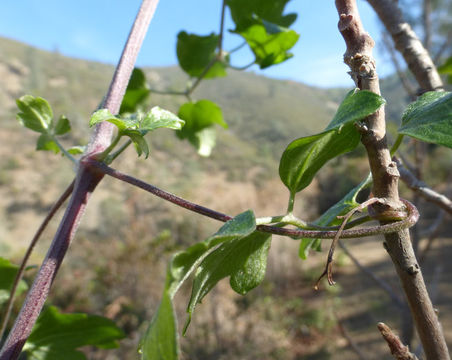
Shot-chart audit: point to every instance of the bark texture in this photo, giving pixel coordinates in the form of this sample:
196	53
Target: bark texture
384	171
408	44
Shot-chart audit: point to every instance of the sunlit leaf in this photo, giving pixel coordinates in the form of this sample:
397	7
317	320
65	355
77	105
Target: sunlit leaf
104	115
76	150
196	52
161	340
430	118
58	336
230	258
356	106
160	118
35	113
270	43
199	118
304	157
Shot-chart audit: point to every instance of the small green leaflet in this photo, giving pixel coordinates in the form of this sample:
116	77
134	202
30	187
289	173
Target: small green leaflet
36	113
200	117
8	272
430	118
161	340
136	126
305	156
244	259
329	218
57	336
196	52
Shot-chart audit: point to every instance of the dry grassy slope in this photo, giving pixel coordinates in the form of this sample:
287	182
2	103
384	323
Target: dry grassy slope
282	319
264	116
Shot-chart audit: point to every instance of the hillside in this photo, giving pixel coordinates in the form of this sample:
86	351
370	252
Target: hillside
115	266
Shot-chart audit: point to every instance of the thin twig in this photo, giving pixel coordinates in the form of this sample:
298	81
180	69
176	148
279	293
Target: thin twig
411	217
27	255
349	338
398	350
329	263
379	281
422	189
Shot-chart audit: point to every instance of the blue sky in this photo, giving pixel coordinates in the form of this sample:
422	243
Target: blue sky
97	30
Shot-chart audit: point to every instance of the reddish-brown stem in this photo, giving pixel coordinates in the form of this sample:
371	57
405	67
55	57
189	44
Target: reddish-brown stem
85	183
32	245
410	220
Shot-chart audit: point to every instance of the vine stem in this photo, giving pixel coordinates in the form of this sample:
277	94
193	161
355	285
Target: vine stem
85	182
409	221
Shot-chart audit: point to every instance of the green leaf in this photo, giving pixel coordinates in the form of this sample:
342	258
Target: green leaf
269	42
105	115
141	146
253	271
136	93
230	258
305	156
161	341
242	12
200	115
357	105
76	150
57	335
196	52
46	142
183	263
62	126
430	118
161	118
35	113
8	272
329	218
199	118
